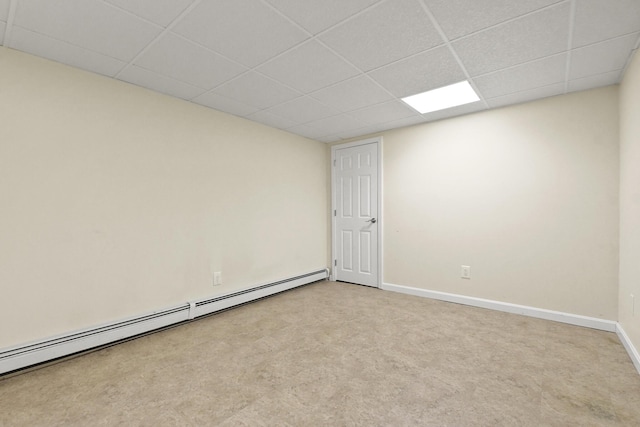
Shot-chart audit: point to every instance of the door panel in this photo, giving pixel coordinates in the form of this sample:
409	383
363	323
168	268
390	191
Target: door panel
365	252
356	225
364	189
347	196
347	244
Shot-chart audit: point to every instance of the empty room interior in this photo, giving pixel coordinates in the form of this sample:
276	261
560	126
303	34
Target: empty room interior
233	212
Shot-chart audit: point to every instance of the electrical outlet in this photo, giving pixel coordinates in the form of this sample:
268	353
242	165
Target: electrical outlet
465	272
217	278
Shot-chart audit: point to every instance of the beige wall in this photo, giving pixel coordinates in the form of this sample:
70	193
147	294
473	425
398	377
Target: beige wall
526	195
630	202
117	201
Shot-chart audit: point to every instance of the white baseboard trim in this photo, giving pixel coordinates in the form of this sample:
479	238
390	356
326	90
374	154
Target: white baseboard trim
628	345
540	313
23	356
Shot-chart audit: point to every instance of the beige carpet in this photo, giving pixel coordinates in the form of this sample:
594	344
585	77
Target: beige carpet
333	354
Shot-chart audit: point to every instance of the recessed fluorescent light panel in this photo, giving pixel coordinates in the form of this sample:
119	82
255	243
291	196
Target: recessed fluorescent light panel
443	98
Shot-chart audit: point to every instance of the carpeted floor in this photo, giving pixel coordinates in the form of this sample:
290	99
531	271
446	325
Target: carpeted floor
334	354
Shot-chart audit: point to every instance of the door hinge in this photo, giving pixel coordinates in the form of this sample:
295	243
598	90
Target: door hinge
335	212
334	162
335	262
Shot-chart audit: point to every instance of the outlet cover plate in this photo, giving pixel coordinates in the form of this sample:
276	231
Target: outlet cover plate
465	272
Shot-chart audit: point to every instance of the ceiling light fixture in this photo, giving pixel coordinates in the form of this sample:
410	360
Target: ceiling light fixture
443	98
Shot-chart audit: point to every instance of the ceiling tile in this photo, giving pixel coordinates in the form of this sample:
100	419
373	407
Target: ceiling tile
141	77
407	121
385	33
45	47
531	37
218	102
597	20
4	9
458	18
182	60
308	67
352	94
272	120
379	127
398	123
385	112
527	95
247	31
455	111
303	110
351	133
162	12
90	24
315	19
257	90
336	124
327	139
419	73
523	77
602	57
307	131
593	82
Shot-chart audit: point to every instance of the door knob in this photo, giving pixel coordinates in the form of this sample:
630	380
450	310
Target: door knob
372	220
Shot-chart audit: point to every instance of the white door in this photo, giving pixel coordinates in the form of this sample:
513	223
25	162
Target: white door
356	214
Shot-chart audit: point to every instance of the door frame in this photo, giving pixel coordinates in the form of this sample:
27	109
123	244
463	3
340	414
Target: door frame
334	252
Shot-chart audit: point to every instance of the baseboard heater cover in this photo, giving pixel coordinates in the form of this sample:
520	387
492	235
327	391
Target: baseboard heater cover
20	357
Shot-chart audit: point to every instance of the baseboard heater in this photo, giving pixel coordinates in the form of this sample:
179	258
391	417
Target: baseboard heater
20	357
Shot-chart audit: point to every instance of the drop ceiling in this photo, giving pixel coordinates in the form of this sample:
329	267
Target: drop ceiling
334	69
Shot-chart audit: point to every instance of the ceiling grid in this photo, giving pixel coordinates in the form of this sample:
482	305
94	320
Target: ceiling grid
334	69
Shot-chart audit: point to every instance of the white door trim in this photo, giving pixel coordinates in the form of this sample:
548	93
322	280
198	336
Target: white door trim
334	252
